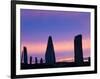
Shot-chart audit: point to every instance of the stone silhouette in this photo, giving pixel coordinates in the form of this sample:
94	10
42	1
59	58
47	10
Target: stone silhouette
78	49
36	60
25	55
30	59
50	54
50	59
41	61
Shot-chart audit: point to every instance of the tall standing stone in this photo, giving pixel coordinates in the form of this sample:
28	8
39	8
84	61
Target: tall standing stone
78	49
25	55
50	54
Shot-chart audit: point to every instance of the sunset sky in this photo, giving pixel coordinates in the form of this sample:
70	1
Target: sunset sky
63	26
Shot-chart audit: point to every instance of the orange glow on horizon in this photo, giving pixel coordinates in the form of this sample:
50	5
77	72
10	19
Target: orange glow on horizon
65	59
58	46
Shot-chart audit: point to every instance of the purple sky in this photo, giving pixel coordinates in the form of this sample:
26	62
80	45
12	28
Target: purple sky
37	25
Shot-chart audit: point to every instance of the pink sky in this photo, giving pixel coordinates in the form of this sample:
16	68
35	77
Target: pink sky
60	46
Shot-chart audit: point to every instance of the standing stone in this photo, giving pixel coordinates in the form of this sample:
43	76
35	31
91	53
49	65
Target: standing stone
78	49
50	54
25	55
